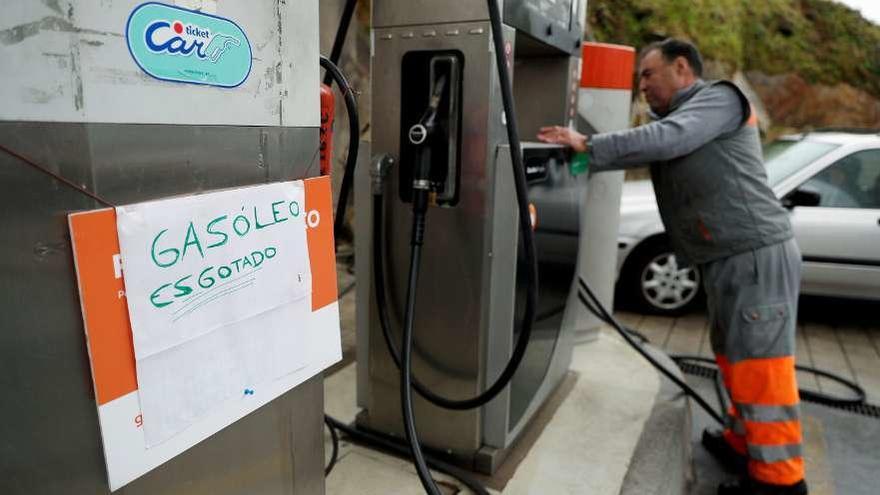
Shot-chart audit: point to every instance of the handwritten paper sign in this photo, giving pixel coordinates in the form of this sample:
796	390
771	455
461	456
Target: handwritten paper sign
153	408
210	281
200	262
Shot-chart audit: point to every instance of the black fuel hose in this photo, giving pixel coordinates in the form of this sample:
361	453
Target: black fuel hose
382	303
339	40
354	130
334	444
409	421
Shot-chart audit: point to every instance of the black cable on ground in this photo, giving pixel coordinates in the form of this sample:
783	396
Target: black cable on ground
334	456
354	131
859	396
394	446
595	307
345	290
605	316
633	333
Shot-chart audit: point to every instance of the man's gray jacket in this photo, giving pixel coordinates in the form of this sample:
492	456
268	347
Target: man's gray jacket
708	173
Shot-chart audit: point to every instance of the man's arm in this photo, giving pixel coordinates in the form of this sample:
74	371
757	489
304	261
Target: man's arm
712	112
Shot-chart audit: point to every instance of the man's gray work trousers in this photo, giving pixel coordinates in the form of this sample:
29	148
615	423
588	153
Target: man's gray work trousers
752	299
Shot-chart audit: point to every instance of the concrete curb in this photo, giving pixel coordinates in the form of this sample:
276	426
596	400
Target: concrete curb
662	463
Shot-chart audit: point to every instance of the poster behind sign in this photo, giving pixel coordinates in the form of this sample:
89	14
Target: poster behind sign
118	395
216	285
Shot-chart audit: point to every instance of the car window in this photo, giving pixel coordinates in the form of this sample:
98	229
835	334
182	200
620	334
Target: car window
851	182
782	161
775	148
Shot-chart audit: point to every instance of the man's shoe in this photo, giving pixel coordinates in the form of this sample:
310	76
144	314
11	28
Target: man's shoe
731	460
748	486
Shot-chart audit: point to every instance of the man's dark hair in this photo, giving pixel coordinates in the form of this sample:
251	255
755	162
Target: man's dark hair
672	48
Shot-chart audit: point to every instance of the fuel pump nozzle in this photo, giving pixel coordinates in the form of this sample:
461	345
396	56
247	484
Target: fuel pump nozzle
420	131
420	136
431	107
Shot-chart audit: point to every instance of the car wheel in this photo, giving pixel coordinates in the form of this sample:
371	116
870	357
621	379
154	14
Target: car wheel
657	284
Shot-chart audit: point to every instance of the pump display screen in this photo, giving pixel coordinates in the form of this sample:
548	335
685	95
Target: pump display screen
557	12
553	22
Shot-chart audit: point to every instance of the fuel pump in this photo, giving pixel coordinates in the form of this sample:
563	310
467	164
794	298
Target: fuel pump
452	197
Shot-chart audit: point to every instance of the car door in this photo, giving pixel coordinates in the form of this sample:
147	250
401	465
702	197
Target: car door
840	236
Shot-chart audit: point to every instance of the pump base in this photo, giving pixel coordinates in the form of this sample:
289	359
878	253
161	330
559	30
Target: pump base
615	425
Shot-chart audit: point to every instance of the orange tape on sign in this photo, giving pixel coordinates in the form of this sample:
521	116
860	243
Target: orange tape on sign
607	66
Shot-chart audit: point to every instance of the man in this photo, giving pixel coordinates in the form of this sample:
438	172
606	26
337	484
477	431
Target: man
720	214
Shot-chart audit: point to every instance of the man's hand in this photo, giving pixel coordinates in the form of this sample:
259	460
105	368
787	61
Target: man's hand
565	136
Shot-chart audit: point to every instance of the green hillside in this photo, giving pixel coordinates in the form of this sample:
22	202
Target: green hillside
824	42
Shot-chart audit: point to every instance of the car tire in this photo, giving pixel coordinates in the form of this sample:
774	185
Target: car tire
652	282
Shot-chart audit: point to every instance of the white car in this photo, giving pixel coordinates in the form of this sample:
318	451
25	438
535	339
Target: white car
828	180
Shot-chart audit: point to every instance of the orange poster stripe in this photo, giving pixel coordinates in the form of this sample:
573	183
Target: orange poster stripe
322	252
607	66
776	433
787	472
105	312
765	381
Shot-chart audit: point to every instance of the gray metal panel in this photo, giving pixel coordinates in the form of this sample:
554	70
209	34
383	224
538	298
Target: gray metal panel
51	440
545	91
551	337
363	261
389	13
502	284
557	23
